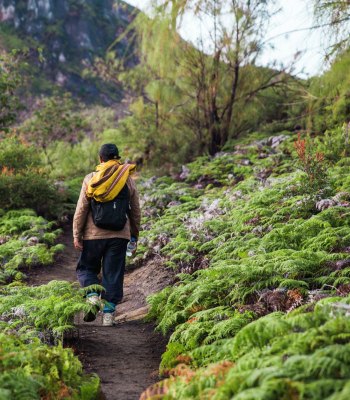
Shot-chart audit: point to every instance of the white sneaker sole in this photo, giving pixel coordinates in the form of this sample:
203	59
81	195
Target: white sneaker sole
108	321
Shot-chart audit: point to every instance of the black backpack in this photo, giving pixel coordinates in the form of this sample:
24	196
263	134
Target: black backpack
112	214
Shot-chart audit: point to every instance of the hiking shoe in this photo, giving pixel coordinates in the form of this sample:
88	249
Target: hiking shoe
107	319
96	306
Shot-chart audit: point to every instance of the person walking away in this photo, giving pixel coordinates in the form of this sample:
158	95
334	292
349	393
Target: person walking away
104	246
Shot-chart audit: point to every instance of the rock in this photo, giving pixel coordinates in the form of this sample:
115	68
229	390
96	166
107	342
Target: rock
277	140
149	183
222	154
341	196
18	312
262	155
61	79
62	58
240	151
206	180
340	199
328	203
263	174
214	206
340	264
174	203
134	315
324	204
317	294
245	161
253	221
258	230
238	194
156	248
4	239
32	241
272	141
198	186
185	173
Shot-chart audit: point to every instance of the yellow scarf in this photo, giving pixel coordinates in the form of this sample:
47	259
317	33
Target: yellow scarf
109	180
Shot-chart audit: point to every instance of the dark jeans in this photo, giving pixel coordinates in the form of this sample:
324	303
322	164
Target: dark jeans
110	255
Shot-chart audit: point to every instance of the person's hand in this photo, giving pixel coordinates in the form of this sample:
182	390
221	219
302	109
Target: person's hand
78	244
131	247
135	248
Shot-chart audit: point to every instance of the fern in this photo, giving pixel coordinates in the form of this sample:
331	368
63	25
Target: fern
31	370
263	242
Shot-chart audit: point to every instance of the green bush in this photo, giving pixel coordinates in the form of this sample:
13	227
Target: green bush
34	318
34	371
15	155
335	143
73	161
23	183
27	241
29	189
329	104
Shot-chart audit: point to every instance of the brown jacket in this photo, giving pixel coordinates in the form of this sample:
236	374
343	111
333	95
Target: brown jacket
84	227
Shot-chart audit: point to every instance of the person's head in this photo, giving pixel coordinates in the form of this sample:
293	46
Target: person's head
108	151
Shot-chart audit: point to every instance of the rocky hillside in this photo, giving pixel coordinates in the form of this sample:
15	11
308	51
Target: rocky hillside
70	34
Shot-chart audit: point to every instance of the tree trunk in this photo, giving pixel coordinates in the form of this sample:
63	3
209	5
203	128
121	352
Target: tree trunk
227	122
157	115
215	132
215	140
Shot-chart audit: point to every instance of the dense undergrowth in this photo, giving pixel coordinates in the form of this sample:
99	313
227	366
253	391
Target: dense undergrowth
260	240
261	250
33	362
27	241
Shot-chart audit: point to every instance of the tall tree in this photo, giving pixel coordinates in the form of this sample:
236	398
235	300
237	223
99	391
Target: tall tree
54	120
9	82
334	16
214	79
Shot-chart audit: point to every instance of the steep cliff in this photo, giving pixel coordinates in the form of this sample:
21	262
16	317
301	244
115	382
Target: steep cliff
70	34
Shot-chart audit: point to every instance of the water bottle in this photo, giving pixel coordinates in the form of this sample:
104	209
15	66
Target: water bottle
131	246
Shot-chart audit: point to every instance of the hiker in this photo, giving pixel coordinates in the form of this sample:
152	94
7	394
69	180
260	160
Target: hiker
111	190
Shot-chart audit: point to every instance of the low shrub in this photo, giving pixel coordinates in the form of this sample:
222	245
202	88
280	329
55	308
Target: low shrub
26	241
23	181
33	371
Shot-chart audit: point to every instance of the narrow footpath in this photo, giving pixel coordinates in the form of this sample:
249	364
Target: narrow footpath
126	357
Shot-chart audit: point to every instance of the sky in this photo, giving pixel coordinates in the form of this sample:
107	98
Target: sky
294	15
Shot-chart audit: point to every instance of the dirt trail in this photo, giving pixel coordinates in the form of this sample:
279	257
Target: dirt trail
126	357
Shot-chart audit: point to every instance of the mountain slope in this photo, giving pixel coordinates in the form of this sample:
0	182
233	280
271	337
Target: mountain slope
63	38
